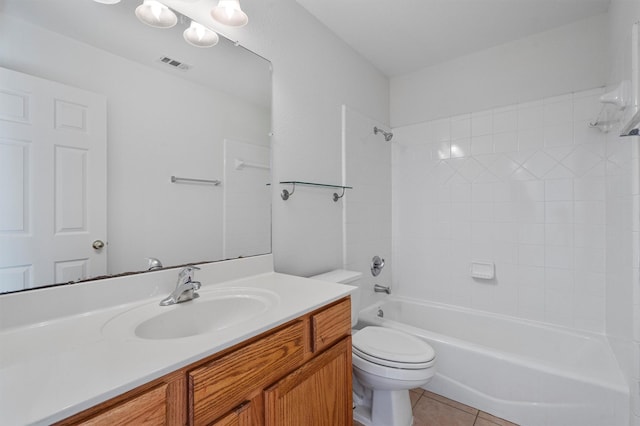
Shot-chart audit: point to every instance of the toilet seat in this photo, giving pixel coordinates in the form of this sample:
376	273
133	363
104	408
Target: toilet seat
392	348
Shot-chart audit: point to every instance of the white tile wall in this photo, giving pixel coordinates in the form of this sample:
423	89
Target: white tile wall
523	186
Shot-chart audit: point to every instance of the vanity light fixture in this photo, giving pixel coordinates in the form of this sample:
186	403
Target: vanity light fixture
200	36
156	14
228	12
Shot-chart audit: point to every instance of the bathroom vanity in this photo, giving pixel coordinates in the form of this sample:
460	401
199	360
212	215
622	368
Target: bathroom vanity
290	363
290	375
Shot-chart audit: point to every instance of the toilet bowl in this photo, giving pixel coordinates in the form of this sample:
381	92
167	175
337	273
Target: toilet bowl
386	364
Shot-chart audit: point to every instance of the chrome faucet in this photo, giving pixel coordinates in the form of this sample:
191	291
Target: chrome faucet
185	288
381	289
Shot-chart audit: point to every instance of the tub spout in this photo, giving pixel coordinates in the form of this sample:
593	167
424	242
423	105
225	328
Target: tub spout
381	289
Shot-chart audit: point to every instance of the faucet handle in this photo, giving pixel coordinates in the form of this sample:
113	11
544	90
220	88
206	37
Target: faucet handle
188	272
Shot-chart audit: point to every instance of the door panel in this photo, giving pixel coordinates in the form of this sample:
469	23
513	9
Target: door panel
52	182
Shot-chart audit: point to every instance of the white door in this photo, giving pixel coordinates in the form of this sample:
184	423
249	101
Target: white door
52	182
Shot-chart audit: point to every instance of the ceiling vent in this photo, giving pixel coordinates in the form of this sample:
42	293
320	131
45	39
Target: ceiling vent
174	63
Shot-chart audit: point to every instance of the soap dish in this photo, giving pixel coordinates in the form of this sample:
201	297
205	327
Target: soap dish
483	270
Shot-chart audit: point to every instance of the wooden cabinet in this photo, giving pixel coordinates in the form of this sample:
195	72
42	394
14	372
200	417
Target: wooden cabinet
240	416
223	383
318	393
147	409
329	325
156	403
296	374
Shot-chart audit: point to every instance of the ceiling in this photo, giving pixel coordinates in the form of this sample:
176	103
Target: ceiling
403	36
396	36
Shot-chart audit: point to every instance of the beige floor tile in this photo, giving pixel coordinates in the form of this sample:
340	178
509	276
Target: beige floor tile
415	396
451	402
494	420
429	412
418	390
483	422
430	409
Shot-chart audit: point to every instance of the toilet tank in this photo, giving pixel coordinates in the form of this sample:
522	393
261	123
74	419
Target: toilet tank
344	276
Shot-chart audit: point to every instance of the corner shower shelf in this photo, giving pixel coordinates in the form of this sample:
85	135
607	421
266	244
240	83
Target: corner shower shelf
286	194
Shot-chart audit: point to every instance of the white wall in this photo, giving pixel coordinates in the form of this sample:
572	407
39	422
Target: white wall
314	74
367	167
146	144
563	60
623	217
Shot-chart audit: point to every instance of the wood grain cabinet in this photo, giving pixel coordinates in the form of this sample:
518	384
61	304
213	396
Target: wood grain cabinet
314	394
296	374
219	385
239	416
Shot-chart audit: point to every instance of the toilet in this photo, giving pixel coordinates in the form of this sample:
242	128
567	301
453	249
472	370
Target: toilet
386	364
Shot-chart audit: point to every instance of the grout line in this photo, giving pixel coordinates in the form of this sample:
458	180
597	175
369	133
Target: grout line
416	403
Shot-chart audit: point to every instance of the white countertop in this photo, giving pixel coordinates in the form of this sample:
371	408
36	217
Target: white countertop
55	368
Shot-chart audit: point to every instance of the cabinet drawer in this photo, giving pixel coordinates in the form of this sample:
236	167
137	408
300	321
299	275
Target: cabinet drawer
220	385
330	325
149	408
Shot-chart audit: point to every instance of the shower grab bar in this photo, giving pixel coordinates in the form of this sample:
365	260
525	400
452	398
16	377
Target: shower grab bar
175	179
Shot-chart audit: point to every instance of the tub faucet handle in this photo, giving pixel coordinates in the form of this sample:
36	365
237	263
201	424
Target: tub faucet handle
377	263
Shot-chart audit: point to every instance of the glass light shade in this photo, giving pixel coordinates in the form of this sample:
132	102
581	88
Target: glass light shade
200	36
107	1
228	12
156	14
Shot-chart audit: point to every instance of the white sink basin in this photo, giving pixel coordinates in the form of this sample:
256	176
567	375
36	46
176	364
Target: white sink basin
213	311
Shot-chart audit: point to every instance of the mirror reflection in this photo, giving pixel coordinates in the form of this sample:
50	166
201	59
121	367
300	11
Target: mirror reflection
97	113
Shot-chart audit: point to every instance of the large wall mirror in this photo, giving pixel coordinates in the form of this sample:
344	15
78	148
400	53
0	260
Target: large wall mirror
97	113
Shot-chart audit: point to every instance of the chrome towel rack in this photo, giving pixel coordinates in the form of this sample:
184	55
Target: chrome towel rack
241	164
176	179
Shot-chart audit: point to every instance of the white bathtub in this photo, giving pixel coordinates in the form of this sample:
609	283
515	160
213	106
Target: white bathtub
523	371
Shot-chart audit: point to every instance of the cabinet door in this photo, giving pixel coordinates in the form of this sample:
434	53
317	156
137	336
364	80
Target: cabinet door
218	386
318	393
241	416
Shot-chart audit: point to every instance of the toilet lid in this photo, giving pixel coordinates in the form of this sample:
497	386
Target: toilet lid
393	348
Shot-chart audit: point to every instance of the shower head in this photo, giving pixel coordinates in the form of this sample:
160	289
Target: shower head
387	135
